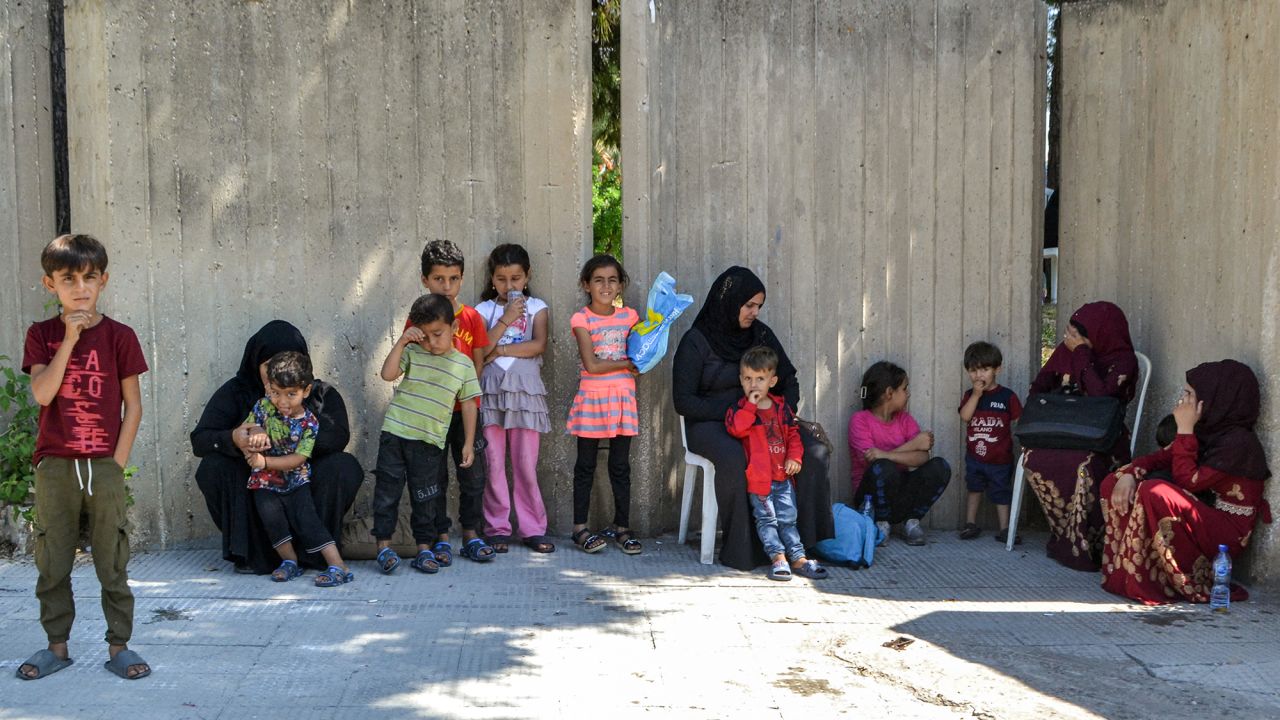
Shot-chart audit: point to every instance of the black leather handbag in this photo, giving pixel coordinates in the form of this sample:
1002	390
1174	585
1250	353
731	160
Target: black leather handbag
1054	421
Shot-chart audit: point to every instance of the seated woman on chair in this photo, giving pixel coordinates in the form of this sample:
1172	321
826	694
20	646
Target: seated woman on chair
705	384
1162	534
1095	358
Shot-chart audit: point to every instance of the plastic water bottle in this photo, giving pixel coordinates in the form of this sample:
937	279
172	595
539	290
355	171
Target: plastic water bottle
1220	596
866	507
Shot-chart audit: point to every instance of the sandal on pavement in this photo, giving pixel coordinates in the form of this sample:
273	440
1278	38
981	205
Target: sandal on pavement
625	539
287	571
970	531
811	569
588	541
1003	537
500	543
334	577
124	660
478	550
539	544
45	663
780	571
444	553
425	562
388	560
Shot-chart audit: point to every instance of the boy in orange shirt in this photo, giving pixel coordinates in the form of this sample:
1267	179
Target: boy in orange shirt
442	268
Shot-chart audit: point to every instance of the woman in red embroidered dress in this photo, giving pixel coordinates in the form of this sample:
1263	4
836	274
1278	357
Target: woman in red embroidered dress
1162	535
1095	358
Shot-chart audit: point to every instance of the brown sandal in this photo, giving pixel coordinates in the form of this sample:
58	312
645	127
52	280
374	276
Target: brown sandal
588	541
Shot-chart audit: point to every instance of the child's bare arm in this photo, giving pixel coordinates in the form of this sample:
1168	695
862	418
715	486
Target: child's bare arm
391	366
533	347
46	379
282	463
971	405
131	398
510	313
469	414
909	458
593	364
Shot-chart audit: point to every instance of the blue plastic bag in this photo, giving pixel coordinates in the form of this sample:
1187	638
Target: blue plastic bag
647	343
856	538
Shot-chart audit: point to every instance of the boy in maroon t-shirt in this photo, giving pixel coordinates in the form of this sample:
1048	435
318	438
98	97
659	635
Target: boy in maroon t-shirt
989	412
84	370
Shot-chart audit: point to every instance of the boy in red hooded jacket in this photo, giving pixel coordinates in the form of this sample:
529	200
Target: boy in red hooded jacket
767	428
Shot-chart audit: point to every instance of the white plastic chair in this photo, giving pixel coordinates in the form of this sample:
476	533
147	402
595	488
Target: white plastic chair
1015	504
693	461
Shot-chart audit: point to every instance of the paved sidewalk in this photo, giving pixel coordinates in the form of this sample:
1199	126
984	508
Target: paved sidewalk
985	634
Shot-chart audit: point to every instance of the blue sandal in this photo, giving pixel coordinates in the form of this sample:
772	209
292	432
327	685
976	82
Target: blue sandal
811	569
443	552
334	577
425	562
388	560
478	550
287	571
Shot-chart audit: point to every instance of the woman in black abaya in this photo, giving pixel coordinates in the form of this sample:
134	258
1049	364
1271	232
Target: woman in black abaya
220	436
705	384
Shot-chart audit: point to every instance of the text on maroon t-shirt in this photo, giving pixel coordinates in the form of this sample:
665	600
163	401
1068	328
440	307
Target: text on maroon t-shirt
83	421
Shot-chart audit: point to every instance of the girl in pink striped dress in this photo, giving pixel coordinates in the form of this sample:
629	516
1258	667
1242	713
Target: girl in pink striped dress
605	406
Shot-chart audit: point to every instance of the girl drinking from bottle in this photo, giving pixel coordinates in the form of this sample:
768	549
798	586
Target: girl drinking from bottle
513	409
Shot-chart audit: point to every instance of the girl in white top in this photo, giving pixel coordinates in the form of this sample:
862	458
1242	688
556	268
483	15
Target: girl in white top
513	409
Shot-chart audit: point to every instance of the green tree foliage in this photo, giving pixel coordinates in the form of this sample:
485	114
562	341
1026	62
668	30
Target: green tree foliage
606	76
18	441
606	126
606	211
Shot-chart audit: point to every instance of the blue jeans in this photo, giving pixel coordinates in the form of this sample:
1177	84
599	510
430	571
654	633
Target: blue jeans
775	515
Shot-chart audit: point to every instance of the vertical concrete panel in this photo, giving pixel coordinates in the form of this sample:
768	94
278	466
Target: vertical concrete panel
290	159
869	143
27	210
1170	199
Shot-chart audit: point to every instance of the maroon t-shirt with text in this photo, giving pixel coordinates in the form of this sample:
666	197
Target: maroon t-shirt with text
83	421
989	436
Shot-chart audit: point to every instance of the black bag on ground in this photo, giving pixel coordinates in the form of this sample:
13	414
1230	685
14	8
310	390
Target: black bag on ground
1070	422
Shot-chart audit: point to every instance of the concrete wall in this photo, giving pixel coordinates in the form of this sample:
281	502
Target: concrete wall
26	169
1171	191
878	164
245	161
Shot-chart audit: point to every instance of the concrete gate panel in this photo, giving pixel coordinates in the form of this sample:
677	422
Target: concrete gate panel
1171	192
247	161
878	164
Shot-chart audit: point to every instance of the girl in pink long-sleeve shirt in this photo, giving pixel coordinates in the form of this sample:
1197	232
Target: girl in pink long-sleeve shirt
890	454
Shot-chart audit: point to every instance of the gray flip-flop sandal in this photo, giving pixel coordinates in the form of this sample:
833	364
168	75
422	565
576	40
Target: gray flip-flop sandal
45	663
121	663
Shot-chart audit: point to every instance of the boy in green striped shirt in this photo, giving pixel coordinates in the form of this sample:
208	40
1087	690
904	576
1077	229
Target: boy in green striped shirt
411	447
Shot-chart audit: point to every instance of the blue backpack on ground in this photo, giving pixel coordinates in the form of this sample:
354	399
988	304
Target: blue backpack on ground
647	343
856	538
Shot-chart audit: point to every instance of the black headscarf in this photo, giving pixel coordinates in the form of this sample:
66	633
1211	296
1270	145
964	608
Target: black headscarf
717	320
276	336
1229	391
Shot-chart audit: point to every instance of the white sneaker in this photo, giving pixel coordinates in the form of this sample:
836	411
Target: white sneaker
913	532
884	532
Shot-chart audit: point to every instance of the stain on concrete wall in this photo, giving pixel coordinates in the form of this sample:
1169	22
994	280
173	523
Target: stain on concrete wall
247	161
878	164
1171	191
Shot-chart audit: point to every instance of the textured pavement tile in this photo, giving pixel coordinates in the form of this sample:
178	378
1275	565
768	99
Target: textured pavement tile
658	635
